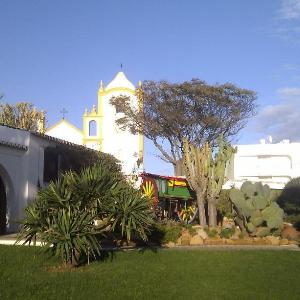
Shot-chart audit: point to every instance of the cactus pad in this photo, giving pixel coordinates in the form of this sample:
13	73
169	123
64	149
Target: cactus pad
253	204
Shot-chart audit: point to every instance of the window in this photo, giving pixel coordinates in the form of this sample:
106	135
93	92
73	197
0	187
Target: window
92	128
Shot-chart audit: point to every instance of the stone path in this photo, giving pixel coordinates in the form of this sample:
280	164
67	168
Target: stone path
236	247
10	239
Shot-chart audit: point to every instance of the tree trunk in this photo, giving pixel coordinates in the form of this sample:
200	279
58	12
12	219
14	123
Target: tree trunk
212	213
200	203
179	168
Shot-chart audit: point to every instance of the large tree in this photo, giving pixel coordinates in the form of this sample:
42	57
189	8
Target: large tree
22	115
192	110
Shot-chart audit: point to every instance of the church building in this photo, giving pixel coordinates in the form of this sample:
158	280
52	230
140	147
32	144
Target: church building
100	130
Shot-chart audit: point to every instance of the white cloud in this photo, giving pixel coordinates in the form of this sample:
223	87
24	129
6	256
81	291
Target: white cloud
286	23
290	94
290	9
289	67
282	120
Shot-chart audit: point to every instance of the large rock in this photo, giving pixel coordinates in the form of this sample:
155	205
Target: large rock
284	242
294	243
196	240
260	241
214	241
237	234
170	244
201	232
273	240
290	233
196	227
230	242
245	241
185	238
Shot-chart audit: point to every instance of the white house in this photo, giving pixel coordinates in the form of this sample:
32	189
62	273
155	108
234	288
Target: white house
28	160
270	163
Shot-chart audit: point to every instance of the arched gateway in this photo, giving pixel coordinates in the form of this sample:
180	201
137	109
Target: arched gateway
6	197
3	206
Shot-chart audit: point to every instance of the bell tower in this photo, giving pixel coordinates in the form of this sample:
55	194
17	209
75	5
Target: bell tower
101	132
92	129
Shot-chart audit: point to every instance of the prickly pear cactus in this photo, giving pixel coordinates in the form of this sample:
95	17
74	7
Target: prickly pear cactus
256	208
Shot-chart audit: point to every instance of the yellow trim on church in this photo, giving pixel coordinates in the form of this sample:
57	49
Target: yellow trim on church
100	112
97	115
141	108
87	118
141	147
118	89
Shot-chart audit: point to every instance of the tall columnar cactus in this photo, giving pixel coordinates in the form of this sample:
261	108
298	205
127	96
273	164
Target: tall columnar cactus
205	173
197	162
216	177
256	210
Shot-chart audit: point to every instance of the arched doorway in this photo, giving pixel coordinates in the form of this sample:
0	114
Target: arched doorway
3	206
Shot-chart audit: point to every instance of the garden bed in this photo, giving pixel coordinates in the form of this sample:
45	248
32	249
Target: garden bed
174	235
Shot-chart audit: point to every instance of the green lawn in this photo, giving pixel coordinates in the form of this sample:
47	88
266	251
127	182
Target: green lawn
167	274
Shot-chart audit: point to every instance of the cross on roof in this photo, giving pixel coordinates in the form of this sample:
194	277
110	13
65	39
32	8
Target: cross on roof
63	112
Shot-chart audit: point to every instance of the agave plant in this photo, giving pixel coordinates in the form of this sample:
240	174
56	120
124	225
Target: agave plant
63	215
34	223
131	212
56	196
92	188
70	234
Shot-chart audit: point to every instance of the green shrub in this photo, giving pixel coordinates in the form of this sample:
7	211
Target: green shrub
241	235
294	219
172	234
72	234
211	232
227	233
65	232
224	205
289	201
130	212
63	215
190	228
166	232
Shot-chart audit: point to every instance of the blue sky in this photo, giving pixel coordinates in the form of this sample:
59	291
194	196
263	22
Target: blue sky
54	53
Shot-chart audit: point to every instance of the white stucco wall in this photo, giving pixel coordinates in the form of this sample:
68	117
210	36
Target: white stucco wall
21	170
66	131
272	164
122	144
